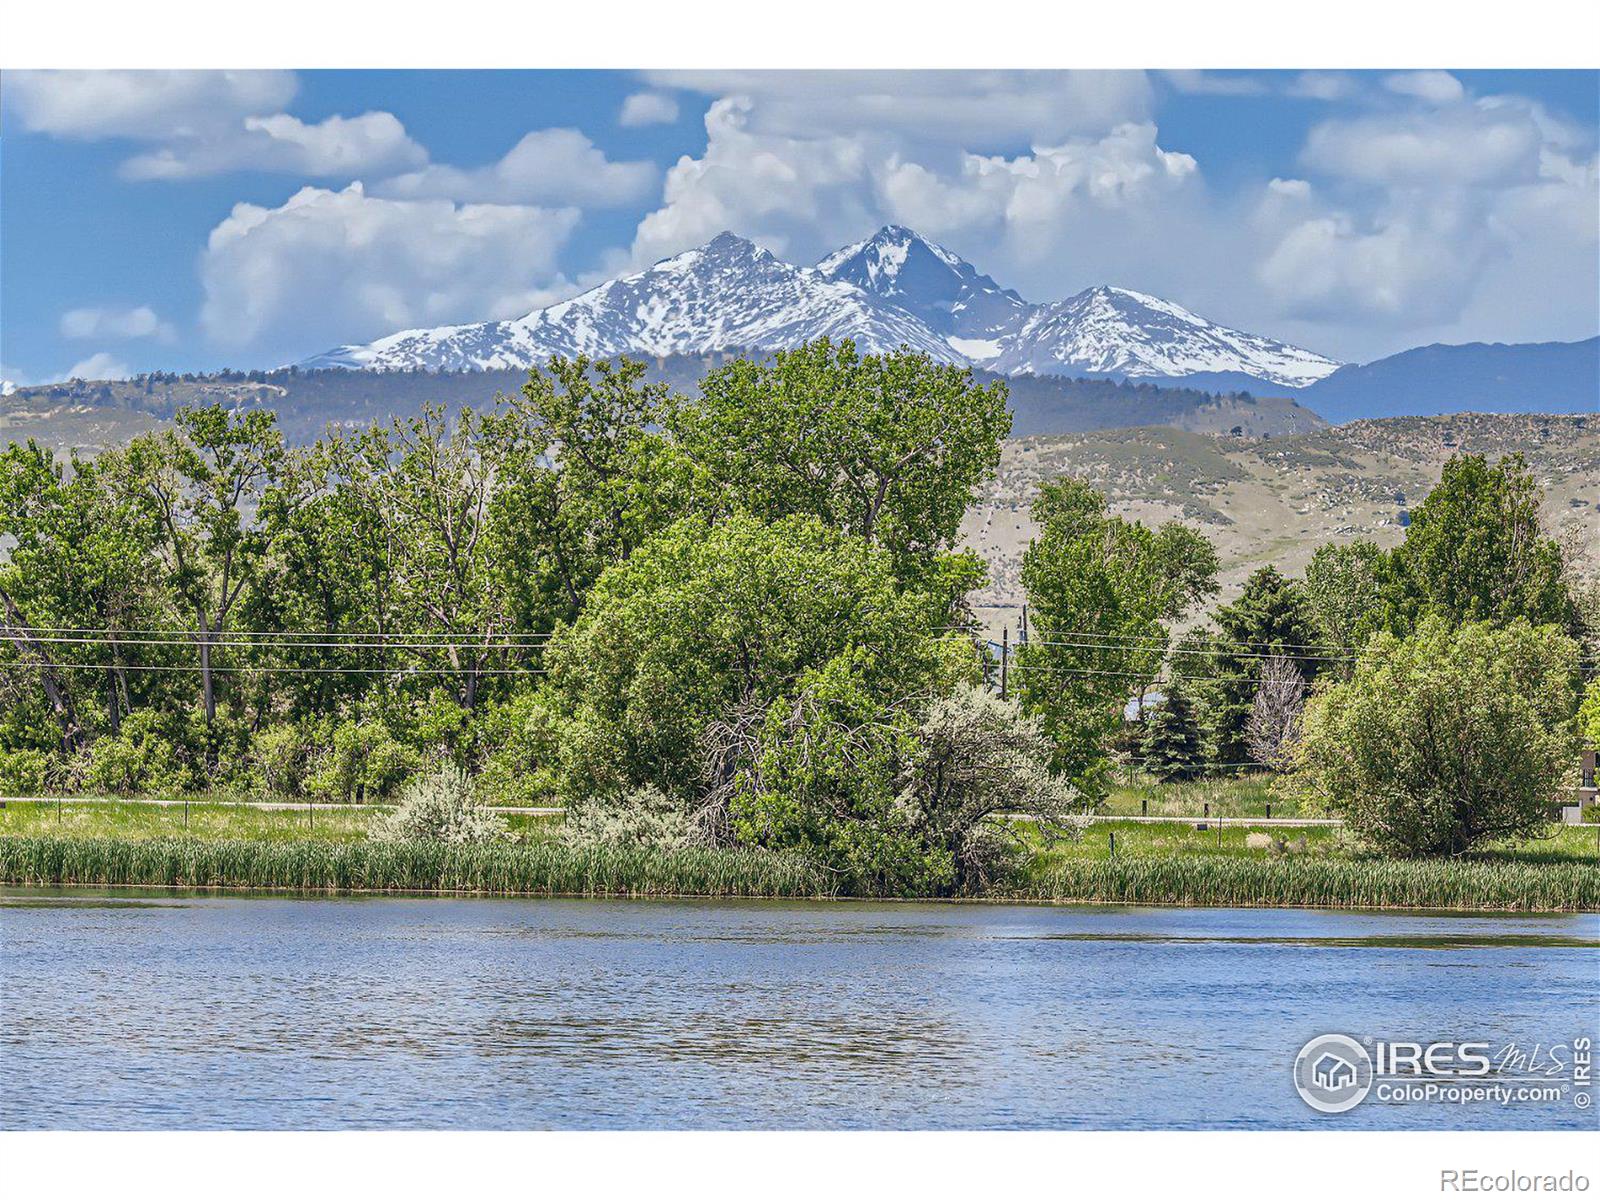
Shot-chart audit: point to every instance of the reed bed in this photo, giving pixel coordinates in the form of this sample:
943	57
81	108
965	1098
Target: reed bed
540	869
1223	881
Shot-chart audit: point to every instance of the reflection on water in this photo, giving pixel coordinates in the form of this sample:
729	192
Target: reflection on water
161	1011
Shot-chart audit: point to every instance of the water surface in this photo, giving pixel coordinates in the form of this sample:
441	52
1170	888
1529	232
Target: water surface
155	1011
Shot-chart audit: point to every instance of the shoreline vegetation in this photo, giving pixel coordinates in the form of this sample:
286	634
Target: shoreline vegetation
557	869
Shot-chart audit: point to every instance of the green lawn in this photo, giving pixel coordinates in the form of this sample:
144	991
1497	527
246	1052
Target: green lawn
1240	794
1136	839
210	819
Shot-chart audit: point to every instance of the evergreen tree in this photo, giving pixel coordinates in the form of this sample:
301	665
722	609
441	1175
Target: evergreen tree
1271	618
1171	743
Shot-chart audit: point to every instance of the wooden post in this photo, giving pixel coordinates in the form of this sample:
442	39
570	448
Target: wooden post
1005	657
1112	834
1144	808
1269	810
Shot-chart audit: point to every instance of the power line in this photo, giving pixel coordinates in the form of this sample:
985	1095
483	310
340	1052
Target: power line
227	640
278	670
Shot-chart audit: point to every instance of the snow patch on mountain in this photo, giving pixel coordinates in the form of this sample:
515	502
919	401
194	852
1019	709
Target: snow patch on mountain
945	292
726	295
892	289
1125	334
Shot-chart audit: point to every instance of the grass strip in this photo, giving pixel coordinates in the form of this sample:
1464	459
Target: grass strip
540	869
1224	881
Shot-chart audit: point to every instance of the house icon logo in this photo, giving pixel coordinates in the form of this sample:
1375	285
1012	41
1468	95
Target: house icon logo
1333	1073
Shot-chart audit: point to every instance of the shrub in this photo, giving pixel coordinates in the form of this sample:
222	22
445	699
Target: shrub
364	762
154	751
279	755
1445	740
646	816
24	772
702	620
976	756
1589	715
440	808
525	739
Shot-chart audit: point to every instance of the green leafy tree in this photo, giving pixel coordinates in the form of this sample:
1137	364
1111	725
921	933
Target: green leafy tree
1589	715
328	576
429	484
75	594
1171	743
887	447
591	476
1271	619
1101	592
705	623
201	485
1445	740
1344	592
1475	551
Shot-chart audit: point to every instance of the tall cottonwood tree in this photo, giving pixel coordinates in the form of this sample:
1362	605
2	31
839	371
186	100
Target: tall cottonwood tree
887	447
1102	592
201	483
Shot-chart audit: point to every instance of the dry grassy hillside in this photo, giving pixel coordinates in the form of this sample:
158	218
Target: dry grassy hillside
1275	500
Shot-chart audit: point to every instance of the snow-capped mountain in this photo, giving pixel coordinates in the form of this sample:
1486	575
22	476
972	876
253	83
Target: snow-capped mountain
892	289
947	293
1128	335
726	295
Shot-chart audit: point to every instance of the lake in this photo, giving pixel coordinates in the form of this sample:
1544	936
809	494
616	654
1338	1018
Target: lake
162	1010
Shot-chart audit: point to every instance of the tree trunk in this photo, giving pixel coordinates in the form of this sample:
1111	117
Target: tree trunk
72	739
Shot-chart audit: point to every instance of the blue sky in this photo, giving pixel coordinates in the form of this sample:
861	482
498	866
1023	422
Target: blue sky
187	221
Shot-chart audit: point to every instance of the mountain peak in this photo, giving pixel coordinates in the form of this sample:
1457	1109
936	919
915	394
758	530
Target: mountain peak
894	288
945	292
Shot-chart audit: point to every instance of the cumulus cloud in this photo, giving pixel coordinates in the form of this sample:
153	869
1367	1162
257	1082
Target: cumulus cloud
338	147
1215	83
1412	198
98	366
801	195
142	104
1436	87
1435	217
207	122
974	108
1322	85
648	108
548	166
122	323
339	266
1463	144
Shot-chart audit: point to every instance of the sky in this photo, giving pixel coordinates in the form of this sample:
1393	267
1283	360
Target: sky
196	220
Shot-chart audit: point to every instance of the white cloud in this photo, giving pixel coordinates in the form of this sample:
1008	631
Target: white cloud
1464	144
142	104
1214	83
1473	219
1322	85
124	323
976	109
803	195
208	122
796	195
548	166
648	108
98	366
328	267
338	147
1436	87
